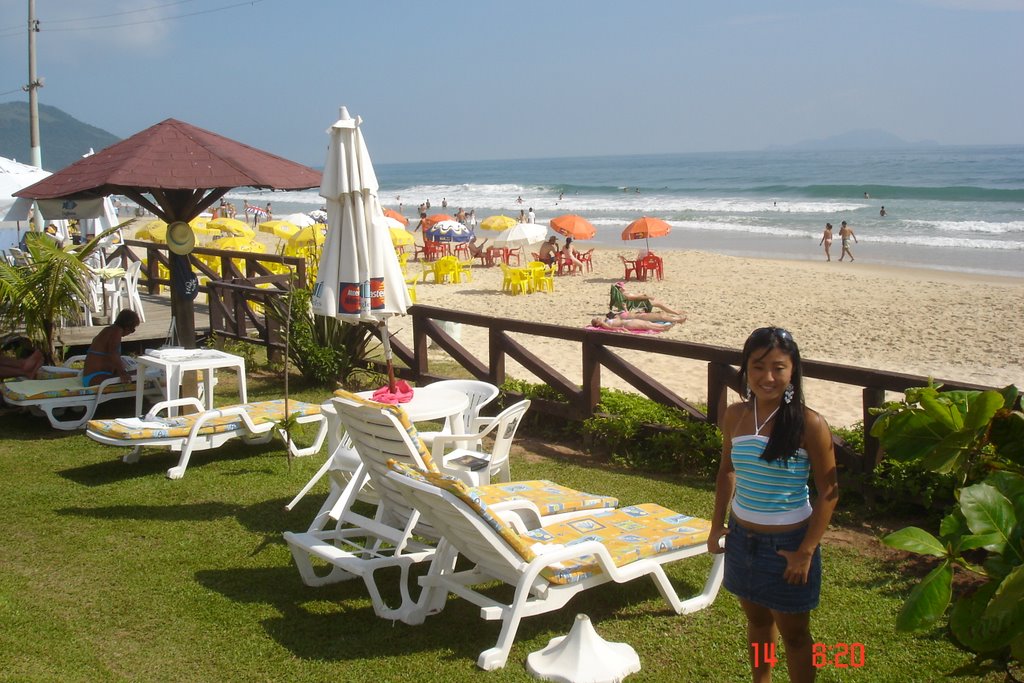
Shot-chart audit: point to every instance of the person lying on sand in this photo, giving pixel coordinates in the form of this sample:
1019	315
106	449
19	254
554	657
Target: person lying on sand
616	324
653	316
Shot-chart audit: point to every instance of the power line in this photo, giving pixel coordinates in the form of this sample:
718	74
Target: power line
152	21
20	29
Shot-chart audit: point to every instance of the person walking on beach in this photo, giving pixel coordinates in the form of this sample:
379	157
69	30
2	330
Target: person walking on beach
771	444
845	233
531	217
826	239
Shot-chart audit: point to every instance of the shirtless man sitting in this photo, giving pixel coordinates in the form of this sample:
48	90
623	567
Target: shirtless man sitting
103	359
547	252
616	324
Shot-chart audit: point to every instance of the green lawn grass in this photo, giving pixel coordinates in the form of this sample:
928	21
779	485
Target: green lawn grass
111	572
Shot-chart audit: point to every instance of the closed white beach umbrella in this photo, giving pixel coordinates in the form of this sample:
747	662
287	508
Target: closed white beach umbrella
359	278
521	234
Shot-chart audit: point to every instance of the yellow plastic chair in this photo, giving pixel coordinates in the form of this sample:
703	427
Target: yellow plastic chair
542	276
410	284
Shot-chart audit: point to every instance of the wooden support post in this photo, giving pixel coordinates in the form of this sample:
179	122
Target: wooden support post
718	391
591	378
872	398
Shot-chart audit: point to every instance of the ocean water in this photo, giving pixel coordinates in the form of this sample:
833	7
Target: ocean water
954	208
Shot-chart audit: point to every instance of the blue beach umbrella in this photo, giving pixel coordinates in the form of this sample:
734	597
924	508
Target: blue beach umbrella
448	231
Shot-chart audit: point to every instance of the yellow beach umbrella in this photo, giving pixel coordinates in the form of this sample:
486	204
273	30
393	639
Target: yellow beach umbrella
153	231
238	244
232	226
200	226
282	229
498	223
308	236
400	237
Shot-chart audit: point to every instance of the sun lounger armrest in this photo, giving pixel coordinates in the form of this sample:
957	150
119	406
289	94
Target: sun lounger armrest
102	386
190	401
521	515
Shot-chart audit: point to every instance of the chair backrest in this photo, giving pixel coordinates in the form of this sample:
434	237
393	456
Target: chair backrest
481	537
479	394
380	433
508	423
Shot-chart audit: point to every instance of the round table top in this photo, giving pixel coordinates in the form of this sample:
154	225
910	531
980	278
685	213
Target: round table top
428	403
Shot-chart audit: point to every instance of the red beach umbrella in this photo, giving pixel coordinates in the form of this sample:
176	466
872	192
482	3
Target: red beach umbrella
644	228
391	213
571	225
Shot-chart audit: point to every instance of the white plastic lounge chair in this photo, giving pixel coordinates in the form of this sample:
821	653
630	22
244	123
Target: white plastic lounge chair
359	545
205	429
502	427
60	399
547	564
479	393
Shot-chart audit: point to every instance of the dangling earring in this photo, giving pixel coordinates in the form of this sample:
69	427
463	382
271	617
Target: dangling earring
746	392
787	395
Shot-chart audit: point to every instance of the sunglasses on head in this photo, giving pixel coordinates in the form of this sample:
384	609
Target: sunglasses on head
779	332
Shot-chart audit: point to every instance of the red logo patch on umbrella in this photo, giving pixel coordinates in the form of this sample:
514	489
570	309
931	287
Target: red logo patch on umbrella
377	293
348	299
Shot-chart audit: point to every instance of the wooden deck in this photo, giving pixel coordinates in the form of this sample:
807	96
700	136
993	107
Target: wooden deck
151	333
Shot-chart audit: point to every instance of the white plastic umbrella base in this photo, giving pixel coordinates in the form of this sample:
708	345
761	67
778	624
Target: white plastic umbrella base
583	657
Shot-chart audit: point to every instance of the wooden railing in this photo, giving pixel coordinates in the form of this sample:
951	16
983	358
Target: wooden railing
599	350
240	310
231	265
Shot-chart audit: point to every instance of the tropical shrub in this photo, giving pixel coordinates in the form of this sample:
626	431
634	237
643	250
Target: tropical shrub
325	350
38	296
976	437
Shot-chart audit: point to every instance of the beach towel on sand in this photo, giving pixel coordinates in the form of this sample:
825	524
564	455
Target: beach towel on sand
623	329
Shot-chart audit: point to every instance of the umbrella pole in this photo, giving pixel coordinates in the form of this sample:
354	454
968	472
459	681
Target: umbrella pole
385	338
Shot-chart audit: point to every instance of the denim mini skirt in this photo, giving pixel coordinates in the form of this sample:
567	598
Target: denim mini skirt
754	569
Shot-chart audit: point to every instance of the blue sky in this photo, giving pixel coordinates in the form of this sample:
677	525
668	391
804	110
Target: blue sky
440	81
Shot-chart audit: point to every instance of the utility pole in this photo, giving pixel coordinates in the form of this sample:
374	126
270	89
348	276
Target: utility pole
34	83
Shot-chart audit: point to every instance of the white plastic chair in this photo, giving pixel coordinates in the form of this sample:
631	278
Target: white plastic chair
479	393
129	289
503	427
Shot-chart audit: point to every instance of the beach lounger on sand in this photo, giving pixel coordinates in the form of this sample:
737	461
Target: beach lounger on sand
64	401
251	422
360	544
547	564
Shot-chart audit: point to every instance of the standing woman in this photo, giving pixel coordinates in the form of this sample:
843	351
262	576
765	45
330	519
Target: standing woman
826	239
771	445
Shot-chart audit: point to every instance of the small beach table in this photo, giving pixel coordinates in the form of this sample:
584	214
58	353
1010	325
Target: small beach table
174	363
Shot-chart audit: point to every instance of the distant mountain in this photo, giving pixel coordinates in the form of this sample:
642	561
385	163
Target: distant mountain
858	139
64	139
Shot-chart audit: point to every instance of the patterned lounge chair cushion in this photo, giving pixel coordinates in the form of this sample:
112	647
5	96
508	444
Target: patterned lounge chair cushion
630	534
550	498
176	427
66	387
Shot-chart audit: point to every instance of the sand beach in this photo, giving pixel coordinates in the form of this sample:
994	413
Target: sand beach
932	323
957	326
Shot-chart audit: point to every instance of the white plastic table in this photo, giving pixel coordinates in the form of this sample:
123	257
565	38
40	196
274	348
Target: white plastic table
173	363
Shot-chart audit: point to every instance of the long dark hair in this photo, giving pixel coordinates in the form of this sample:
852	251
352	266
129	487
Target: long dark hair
788	431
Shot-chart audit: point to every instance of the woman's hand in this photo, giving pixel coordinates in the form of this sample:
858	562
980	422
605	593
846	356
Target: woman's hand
716	546
798	565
